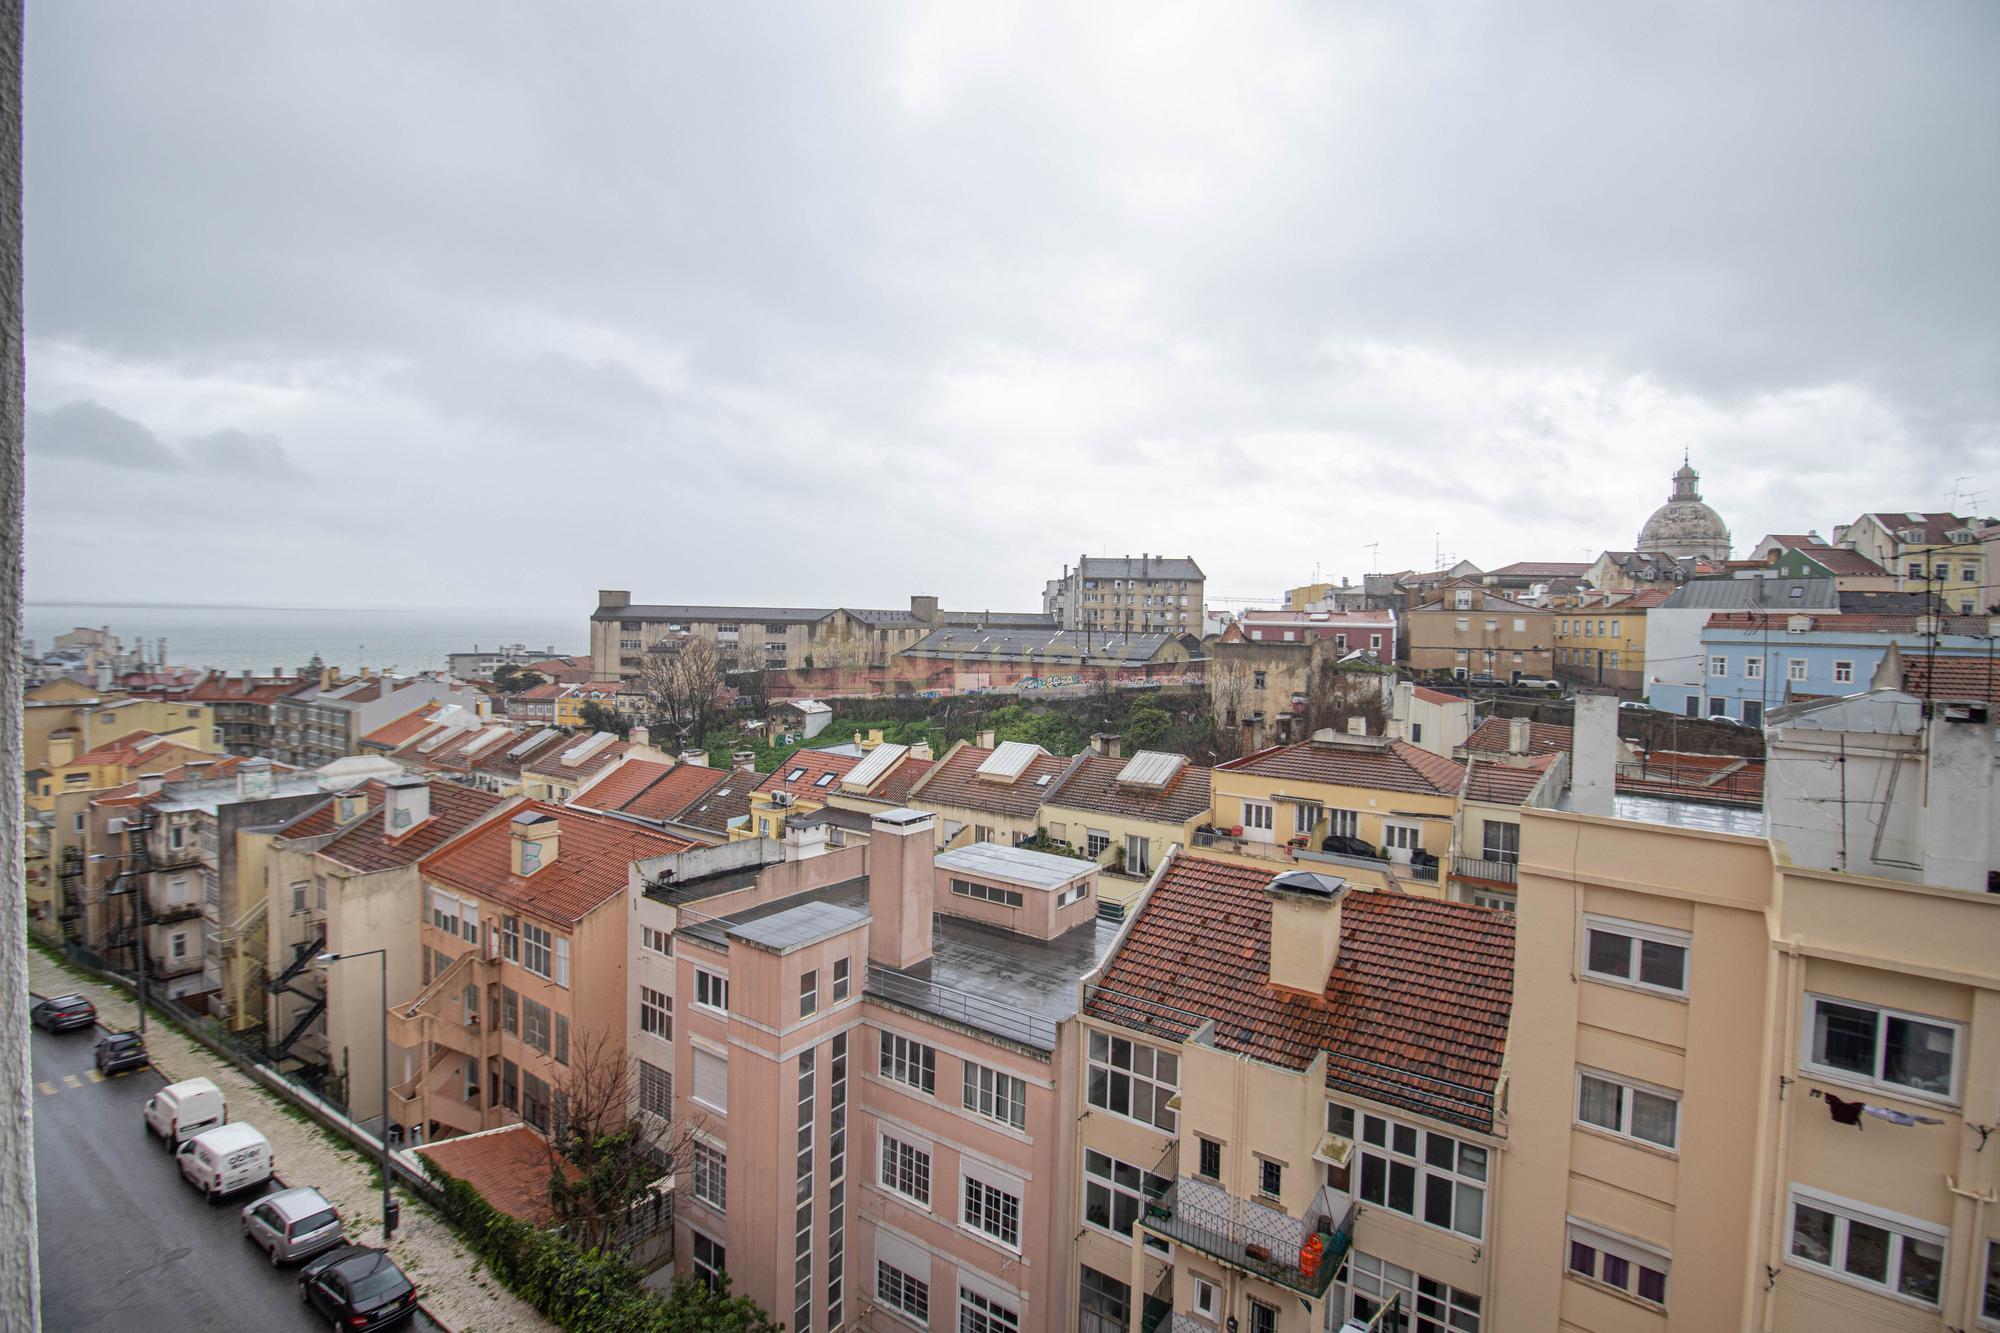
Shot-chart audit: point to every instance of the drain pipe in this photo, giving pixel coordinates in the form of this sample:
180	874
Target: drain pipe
1788	1077
1969	1301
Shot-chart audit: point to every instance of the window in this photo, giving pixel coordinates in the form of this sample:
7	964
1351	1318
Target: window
809	993
1631	1110
444	911
562	1039
1855	1243
1989	1307
1408	837
1076	893
535	951
535	1024
1205	1297
1968	574
1502	841
1256	680
656	941
299	896
909	1062
711	1080
1345	823
839	980
1652	957
1094	843
1115	1193
903	1293
1843	673
1259	815
1270	1177
1306	816
985	893
1618	1261
1131	1079
1904	1052
1443	1184
906	1169
1753	712
1375	1282
534	1101
510	938
993	1211
1753	668
1211	1159
1718	665
1104	1303
711	990
656	1013
1263	1318
709	1168
1915	569
979	1314
995	1095
1138	854
1718	707
510	1011
1795	668
656	1090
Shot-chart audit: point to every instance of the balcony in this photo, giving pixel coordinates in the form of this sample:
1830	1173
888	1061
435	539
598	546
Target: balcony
1493	872
1251	1237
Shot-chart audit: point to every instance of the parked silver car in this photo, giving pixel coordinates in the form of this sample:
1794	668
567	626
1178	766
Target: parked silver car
292	1224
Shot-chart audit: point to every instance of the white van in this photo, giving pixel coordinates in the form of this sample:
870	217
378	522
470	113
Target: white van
180	1111
224	1160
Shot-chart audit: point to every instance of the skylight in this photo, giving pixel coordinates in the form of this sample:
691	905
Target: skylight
795	775
825	779
1009	761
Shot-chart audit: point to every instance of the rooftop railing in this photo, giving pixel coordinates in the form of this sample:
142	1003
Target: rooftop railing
1234	1235
967	1007
1471	867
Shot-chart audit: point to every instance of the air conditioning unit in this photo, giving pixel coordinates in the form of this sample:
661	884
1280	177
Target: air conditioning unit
781	798
116	824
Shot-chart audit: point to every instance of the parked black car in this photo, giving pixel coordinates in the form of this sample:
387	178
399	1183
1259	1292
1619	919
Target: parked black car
120	1051
1343	845
64	1013
358	1287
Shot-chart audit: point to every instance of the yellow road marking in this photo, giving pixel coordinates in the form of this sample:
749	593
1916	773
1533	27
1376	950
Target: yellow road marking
93	1076
72	1081
48	1089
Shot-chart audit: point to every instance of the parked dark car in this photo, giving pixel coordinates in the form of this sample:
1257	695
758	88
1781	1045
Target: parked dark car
64	1013
120	1051
358	1287
1343	845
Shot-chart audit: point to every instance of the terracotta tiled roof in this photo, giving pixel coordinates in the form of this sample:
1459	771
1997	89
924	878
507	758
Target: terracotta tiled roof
541	693
1933	526
1840	560
1415	1009
509	1167
1397	766
1490	737
1431	696
622	783
317	822
1830	622
1542	569
683	786
592	856
405	728
367	846
1952	678
714	807
217	688
1093	786
1504	784
894	788
549	762
954	781
1720	778
801	771
1643	600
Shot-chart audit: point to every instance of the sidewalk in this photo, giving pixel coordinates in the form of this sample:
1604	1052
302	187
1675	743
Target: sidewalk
456	1291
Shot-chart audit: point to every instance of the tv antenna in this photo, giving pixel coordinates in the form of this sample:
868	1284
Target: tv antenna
1374	557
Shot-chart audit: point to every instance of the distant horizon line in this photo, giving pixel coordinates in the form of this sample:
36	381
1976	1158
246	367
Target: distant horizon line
267	606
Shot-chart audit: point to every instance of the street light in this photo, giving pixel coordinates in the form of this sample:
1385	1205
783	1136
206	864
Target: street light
388	1203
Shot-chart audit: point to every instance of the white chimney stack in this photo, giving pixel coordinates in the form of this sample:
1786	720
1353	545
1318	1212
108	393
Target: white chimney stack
406	804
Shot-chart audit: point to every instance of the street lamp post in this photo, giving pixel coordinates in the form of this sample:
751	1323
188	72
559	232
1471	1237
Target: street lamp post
388	1202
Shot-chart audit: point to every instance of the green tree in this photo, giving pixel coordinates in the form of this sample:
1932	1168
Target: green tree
513	678
600	718
1146	728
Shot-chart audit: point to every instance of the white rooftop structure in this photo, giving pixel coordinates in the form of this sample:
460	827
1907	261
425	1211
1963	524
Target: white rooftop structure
1151	769
872	769
1016	865
1009	760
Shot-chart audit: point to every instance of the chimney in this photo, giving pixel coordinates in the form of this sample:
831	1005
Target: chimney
695	758
1107	743
611	599
350	805
921	750
1518	733
150	783
1593	764
537	838
1305	929
984	739
640	736
406	803
253	779
924	609
1357	726
902	848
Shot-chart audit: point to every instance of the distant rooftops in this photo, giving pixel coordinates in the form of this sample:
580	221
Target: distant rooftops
1139	567
1754	594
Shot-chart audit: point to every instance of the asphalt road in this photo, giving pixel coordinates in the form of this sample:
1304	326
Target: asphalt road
126	1244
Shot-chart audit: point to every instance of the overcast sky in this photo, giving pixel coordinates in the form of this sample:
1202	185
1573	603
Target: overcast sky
492	304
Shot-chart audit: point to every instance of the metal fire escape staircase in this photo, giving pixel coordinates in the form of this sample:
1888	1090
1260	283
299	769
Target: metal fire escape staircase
69	876
303	955
131	878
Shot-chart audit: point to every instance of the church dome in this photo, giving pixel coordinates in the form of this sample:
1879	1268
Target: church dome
1684	526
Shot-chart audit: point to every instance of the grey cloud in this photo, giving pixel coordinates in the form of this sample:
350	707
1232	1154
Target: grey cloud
90	432
243	454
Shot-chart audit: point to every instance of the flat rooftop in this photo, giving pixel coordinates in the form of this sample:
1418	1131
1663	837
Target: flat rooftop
994	981
1703	815
1016	865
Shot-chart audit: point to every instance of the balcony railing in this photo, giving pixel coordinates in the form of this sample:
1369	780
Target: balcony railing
1237	1234
975	1011
1499	872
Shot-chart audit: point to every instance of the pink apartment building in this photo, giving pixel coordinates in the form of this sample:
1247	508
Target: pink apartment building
523	967
866	1046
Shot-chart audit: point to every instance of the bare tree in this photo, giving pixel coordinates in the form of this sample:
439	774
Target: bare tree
606	1155
682	681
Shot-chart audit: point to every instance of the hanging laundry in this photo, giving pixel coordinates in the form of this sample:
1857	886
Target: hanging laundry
1844	1112
1896	1117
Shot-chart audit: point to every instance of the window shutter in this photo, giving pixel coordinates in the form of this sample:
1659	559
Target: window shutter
711	1078
562	961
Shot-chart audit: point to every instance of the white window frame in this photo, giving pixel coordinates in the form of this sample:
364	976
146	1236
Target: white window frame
1346	823
980	1313
1101	1052
1903	1230
1883	1013
657	941
1629	1090
656	1013
973	1215
892	1152
1638	932
1753	667
708	1174
535	949
1718	664
994	1094
1260	816
840	979
722	1057
1392	1155
1795	670
1989	1307
907	1061
711	986
1843	673
1205	1297
809	992
894	1293
1636	1253
1112	1188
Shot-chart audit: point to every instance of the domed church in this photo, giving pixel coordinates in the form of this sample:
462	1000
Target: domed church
1684	526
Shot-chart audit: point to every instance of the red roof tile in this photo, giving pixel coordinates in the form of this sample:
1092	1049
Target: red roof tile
317	822
1505	784
954	781
1093	786
1933	526
1396	766
1952	678
549	762
801	771
685	784
726	799
1431	696
1719	778
593	854
405	728
509	1167
1415	1008
367	846
1490	737
622	783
